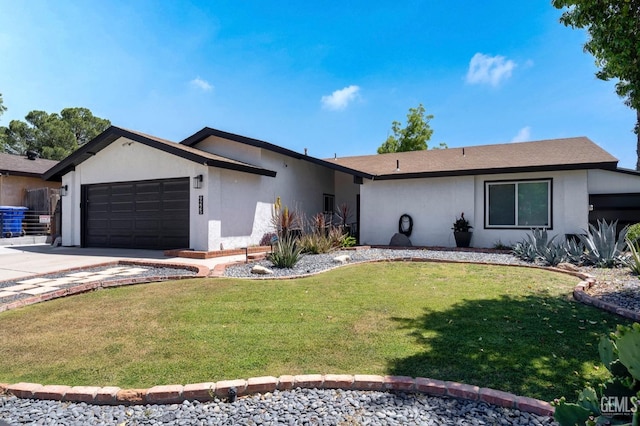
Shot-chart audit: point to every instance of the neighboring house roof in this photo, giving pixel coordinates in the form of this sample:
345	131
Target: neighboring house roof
208	131
114	133
18	165
547	155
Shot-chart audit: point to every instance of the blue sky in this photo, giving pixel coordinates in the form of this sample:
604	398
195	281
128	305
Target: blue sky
327	76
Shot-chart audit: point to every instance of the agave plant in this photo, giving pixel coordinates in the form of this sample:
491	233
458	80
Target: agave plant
553	254
603	247
286	253
539	239
526	251
633	260
574	250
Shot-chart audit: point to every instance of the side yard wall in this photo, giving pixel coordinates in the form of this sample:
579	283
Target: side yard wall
13	188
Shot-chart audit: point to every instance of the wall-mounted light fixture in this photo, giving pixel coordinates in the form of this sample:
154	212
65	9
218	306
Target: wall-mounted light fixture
197	181
64	190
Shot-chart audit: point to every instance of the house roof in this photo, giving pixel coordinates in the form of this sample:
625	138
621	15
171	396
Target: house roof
113	133
546	155
208	131
18	165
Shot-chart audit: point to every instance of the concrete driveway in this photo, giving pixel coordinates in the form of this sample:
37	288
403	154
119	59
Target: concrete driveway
24	261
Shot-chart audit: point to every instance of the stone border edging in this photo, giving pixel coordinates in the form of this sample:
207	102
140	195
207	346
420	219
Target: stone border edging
208	391
201	272
581	295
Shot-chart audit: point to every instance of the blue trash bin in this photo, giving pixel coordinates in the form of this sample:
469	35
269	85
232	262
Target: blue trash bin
11	221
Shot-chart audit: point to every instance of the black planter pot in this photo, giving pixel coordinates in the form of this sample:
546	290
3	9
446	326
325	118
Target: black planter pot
463	239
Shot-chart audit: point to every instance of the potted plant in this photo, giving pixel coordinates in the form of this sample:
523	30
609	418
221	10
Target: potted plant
461	231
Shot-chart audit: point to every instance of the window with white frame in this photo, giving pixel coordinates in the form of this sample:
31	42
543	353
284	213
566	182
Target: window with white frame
518	204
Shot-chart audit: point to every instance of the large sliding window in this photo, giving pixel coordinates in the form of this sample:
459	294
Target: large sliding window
518	204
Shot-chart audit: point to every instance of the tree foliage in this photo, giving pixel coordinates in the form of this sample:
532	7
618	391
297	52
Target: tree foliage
2	107
53	136
614	42
413	137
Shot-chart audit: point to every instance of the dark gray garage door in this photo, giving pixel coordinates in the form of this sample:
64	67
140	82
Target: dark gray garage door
151	214
625	208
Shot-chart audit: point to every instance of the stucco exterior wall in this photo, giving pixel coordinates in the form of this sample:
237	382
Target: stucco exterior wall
608	182
240	204
346	193
432	203
435	203
125	160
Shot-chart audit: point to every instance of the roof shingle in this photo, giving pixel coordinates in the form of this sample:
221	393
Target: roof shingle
20	165
554	154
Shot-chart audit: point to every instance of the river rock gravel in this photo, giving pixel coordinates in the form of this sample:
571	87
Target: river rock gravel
311	264
294	407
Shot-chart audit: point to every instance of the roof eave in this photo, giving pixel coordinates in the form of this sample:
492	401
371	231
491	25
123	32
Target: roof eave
502	170
208	131
113	133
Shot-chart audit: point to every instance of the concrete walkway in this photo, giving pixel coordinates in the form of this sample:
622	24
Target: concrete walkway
28	260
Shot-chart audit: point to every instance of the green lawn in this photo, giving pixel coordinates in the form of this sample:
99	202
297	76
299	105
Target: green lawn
513	329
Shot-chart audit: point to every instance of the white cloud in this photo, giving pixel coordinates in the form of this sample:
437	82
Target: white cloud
339	99
201	84
523	135
489	69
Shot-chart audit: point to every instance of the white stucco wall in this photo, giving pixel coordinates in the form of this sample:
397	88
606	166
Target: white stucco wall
346	192
125	160
435	203
608	182
432	203
240	204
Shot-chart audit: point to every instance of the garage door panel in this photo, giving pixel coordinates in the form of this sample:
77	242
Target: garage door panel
625	208
141	214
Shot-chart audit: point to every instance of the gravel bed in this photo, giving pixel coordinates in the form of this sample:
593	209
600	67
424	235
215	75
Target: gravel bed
616	285
294	407
310	264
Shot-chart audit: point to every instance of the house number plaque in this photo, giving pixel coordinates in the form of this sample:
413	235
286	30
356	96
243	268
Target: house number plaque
201	204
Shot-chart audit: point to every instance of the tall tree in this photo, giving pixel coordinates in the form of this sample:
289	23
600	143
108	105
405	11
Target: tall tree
614	41
413	137
2	107
53	136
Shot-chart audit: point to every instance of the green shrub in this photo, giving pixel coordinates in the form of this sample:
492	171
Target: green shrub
348	241
498	245
286	253
633	233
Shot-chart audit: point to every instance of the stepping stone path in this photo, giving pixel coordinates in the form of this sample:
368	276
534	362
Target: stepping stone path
38	286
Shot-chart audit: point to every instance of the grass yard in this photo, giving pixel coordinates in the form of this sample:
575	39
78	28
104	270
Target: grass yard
513	329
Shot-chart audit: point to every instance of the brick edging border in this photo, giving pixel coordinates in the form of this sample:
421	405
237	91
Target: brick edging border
208	391
580	294
201	272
